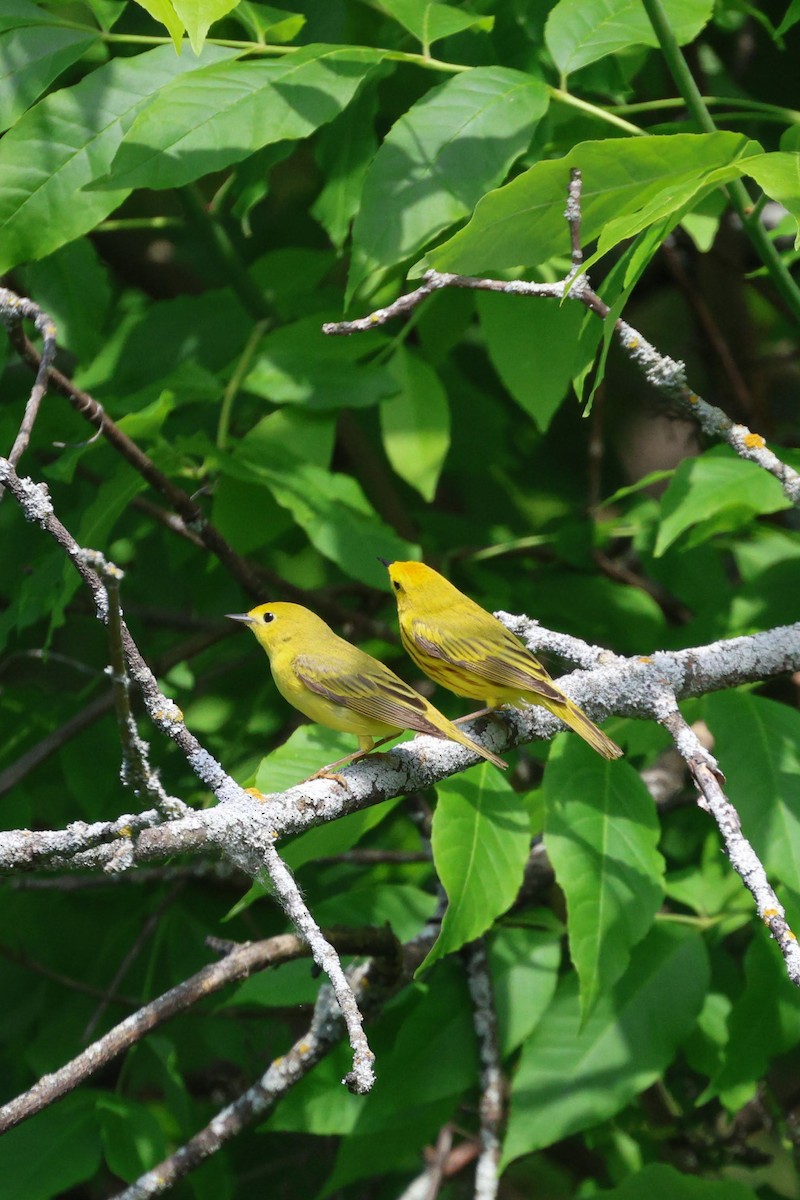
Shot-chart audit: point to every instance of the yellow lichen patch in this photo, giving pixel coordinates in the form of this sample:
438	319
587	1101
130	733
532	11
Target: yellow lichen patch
692	398
754	441
125	832
258	795
770	912
303	1047
644	658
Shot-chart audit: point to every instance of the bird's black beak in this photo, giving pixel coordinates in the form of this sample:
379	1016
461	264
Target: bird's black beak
248	620
384	561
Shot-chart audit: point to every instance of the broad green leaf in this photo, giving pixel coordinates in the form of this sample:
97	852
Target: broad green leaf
53	1151
415	423
269	24
429	21
30	59
579	32
344	150
522	223
434	1054
710	493
234	108
16	14
72	285
659	1181
524	965
534	346
791	17
779	175
298	364
133	1139
763	1022
198	15
757	743
437	161
69	139
574	1076
601	833
332	510
318	1104
669	205
164	12
481	838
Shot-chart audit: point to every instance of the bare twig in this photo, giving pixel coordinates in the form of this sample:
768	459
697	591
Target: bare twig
744	860
660	371
370	981
242	961
13	309
484	1018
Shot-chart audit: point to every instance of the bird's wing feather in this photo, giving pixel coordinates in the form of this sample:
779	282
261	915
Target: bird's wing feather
371	693
489	651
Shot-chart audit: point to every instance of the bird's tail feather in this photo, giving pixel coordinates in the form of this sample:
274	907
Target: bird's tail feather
573	716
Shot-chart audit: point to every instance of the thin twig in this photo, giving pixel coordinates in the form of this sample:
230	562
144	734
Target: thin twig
743	858
484	1018
661	372
241	962
13	309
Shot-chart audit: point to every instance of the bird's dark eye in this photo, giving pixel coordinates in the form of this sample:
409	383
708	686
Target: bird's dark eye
268	616
396	586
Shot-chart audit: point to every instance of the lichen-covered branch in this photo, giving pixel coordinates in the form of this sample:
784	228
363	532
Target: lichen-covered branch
709	779
13	309
239	963
661	372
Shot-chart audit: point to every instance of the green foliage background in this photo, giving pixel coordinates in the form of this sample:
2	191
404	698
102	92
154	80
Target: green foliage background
190	221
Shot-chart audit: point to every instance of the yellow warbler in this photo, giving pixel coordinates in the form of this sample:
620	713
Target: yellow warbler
466	649
337	685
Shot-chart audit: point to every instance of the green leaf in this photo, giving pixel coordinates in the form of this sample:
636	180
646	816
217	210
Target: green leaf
333	511
298	364
573	1076
234	108
534	347
18	13
69	139
164	12
198	15
524	965
437	161
522	223
601	833
415	423
72	285
133	1139
757	742
481	839
430	21
658	1181
30	59
269	24
579	32
779	175
52	1152
764	1021
344	151
710	494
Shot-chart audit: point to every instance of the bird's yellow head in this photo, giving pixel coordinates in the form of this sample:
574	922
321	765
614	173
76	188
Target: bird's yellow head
419	587
280	624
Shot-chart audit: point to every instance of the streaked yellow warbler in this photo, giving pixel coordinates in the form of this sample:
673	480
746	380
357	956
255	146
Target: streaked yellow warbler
466	649
337	685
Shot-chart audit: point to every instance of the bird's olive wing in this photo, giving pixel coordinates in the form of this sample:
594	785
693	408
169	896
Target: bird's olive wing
370	690
491	653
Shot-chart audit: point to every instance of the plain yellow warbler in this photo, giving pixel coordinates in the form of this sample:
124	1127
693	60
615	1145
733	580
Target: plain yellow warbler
463	647
337	685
